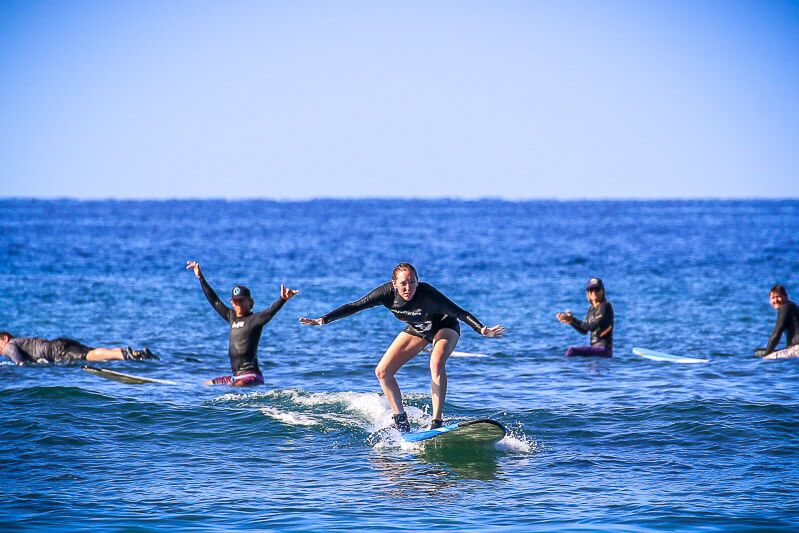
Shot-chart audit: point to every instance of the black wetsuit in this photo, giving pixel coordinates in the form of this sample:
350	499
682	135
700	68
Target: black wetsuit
787	322
597	321
428	311
23	350
245	331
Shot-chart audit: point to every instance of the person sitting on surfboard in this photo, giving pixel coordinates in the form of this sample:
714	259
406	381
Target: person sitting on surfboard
598	321
35	350
787	322
245	329
431	318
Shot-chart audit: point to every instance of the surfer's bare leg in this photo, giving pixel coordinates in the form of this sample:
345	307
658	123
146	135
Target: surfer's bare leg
105	354
403	349
444	344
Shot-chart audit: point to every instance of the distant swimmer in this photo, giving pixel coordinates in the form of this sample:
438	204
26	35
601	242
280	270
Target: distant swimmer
787	322
245	329
431	318
35	350
599	322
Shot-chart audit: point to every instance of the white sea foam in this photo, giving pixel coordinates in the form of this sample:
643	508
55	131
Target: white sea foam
514	443
293	419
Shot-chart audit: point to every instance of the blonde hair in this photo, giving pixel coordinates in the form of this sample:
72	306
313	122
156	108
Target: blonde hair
404	266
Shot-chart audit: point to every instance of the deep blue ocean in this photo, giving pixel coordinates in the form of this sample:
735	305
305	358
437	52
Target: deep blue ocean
623	444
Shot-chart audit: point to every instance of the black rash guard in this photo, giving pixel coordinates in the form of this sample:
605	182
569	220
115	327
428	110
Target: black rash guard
427	307
788	322
598	319
26	350
245	331
23	350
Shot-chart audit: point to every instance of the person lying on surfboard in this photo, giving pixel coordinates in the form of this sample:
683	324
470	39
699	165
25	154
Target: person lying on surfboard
787	322
598	321
35	350
245	329
431	318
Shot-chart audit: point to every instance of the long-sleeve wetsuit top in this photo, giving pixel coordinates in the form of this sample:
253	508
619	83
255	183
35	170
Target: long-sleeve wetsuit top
427	306
245	331
788	322
597	321
23	350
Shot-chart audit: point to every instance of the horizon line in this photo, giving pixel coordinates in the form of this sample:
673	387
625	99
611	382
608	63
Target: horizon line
397	198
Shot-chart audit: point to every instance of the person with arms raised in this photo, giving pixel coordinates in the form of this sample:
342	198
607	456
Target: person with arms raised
245	329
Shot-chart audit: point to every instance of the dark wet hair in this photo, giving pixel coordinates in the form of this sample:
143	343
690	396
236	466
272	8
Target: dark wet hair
779	289
404	266
6	334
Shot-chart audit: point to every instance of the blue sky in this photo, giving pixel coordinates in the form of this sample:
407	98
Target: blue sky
295	100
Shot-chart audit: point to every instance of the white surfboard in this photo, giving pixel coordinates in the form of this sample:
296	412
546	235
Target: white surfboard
130	379
662	356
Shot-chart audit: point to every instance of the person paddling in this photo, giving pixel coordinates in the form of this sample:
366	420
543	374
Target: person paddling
35	350
787	322
599	321
245	329
431	318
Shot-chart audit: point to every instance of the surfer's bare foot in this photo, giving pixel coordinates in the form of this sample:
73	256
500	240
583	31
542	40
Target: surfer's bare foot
139	355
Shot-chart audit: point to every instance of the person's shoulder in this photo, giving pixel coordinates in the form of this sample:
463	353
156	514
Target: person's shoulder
426	287
383	289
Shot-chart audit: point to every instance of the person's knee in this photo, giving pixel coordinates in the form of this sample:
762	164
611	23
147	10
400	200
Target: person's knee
382	372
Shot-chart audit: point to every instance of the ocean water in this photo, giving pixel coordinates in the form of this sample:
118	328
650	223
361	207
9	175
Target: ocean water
621	444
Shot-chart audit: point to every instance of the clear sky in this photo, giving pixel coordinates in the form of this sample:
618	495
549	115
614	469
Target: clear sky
295	100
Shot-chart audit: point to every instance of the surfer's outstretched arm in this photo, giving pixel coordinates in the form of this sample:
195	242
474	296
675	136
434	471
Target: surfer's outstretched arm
223	310
376	297
452	309
286	294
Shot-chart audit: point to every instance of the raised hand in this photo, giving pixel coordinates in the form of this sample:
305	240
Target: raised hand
286	293
311	321
496	331
196	267
565	318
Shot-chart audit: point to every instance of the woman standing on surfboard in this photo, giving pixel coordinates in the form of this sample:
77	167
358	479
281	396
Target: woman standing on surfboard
431	318
245	329
598	321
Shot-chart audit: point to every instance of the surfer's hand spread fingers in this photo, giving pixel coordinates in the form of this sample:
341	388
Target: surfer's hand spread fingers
496	331
311	321
286	293
196	267
565	318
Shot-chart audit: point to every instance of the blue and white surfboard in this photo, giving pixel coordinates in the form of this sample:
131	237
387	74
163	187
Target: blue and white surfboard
478	432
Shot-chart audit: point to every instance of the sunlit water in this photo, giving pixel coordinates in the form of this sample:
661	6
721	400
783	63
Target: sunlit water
620	444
